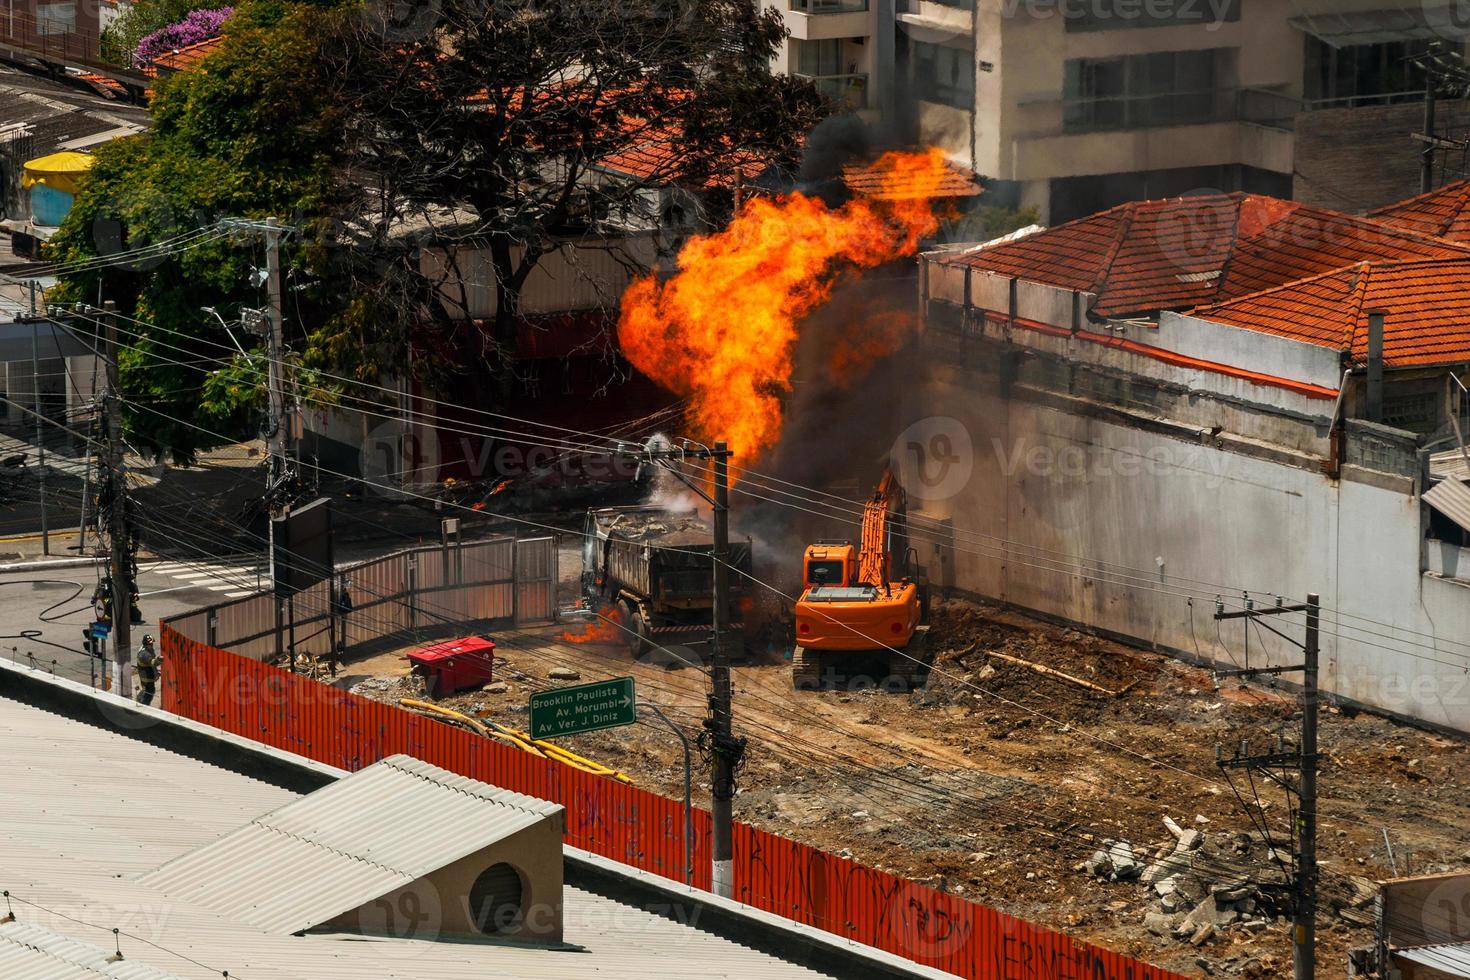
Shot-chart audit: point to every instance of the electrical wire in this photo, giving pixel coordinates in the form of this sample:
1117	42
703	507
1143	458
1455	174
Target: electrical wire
1073	564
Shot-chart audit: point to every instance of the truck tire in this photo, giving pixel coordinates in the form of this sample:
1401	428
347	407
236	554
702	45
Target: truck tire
637	634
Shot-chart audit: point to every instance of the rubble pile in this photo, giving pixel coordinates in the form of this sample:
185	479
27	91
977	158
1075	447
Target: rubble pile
1201	884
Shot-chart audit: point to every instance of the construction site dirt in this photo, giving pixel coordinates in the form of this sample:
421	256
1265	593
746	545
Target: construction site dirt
1051	774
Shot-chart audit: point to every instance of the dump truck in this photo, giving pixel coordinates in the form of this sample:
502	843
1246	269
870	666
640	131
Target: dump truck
655	567
864	609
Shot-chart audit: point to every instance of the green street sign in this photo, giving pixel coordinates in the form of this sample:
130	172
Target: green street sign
584	708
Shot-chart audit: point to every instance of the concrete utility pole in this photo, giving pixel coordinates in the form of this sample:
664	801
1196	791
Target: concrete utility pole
276	427
1304	890
117	522
1426	155
273	232
40	434
726	750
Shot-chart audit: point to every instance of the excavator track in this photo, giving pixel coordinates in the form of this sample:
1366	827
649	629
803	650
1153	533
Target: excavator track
911	668
806	669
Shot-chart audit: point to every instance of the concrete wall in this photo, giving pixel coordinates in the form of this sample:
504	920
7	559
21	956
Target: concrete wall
443	897
1061	487
588	275
1071	498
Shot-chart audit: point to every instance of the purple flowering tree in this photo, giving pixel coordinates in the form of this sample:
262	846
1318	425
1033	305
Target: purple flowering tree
199	25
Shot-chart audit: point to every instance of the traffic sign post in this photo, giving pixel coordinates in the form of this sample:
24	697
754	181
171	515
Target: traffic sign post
584	708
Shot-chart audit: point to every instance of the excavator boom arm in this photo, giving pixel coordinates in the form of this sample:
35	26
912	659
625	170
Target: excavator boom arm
874	560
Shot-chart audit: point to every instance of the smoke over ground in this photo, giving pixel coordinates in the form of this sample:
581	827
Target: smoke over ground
854	365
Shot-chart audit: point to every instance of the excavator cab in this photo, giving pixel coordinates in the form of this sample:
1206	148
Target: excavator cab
829	566
853	617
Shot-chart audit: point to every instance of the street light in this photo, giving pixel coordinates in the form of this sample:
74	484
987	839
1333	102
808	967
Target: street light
226	327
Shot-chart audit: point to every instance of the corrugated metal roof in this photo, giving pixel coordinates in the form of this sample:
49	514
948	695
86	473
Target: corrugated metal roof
29	952
347	844
86	812
1452	499
1453	959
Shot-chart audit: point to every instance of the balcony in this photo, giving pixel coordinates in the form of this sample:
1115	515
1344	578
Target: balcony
827	20
1359	101
848	90
818	7
1263	107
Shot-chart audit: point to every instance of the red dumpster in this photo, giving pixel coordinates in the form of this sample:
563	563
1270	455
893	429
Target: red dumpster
454	665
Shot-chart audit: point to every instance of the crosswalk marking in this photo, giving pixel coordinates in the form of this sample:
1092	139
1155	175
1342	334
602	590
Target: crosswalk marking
236	581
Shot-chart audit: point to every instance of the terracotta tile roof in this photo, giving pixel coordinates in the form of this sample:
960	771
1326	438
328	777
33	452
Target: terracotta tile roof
185	58
1179	253
1427	307
103	84
1445	212
867	180
660	161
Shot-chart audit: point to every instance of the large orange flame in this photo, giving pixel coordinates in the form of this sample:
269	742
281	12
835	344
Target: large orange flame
607	627
722	331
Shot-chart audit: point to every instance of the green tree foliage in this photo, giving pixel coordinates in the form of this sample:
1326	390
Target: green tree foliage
253	133
378	130
984	222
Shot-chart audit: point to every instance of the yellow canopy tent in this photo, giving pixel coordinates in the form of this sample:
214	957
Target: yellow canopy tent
58	171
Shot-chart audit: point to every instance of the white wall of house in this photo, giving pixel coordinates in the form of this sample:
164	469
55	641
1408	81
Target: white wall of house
581	275
1061	487
1132	524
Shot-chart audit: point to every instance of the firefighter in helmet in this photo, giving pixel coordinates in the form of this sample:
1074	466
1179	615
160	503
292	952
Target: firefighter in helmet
147	666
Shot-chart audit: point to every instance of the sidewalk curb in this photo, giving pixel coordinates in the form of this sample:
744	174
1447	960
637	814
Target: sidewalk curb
49	563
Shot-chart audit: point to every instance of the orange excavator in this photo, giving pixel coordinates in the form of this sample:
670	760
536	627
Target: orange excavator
859	615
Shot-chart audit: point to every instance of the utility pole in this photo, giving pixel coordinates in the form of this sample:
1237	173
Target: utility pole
117	522
725	749
273	232
1304	884
276	425
1426	155
40	434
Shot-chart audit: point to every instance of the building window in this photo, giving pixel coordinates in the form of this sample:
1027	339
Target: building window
1413	406
1114	15
835	75
817	58
56	18
829	6
1168	88
943	74
1363	74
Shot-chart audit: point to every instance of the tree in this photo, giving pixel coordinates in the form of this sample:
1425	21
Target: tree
477	125
120	38
506	113
254	134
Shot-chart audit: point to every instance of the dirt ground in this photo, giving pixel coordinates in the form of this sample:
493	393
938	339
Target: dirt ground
997	781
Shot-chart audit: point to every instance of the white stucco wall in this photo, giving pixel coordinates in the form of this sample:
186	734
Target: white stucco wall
1049	491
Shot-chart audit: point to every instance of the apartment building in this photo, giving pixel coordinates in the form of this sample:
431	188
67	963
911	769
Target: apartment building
1074	106
846	47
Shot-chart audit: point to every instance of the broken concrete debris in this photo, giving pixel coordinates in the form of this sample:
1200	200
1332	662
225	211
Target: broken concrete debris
1201	885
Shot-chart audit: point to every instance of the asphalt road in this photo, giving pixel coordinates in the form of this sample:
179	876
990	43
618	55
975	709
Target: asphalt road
42	613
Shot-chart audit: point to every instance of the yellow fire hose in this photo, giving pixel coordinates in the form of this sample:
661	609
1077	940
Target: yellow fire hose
521	740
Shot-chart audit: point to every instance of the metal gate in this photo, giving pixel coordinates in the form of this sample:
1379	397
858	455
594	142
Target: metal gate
535	581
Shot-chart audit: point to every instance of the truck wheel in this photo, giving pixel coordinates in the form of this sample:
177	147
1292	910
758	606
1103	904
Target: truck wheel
637	634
